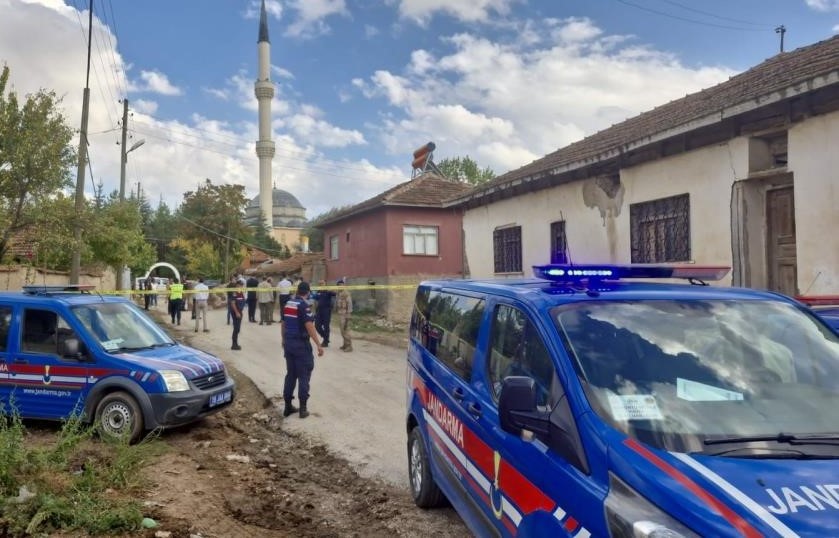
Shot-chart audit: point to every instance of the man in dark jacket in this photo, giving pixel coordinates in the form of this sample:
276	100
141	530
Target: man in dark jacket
323	313
251	284
298	334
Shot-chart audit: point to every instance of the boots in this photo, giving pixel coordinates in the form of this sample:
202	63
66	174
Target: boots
303	411
235	346
289	409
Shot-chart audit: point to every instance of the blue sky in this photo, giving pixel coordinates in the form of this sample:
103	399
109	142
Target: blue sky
361	83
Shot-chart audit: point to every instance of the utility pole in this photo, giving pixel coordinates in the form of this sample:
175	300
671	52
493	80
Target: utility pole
781	30
76	260
123	150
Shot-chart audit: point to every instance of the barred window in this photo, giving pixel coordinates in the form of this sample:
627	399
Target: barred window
333	247
559	243
660	230
506	244
419	240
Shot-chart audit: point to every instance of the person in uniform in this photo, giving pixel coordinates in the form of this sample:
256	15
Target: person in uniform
236	306
252	282
323	313
176	300
298	333
344	307
148	288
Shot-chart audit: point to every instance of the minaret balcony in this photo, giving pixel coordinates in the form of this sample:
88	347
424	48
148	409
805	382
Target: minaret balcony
265	148
263	89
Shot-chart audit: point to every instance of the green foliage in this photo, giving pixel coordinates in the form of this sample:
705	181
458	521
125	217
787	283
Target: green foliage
201	259
315	234
214	214
465	170
35	149
74	483
116	236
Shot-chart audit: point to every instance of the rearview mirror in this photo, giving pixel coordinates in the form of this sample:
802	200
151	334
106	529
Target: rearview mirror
517	407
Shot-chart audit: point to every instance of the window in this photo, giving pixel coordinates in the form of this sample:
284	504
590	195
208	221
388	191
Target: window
506	244
43	331
5	322
447	325
660	230
333	247
517	349
559	243
419	240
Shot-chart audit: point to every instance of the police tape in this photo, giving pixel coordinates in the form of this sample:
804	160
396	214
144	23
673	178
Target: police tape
257	289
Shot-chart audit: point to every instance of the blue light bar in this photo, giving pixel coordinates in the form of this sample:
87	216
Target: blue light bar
573	273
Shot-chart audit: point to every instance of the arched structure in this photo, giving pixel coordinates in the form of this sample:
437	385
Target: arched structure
163	264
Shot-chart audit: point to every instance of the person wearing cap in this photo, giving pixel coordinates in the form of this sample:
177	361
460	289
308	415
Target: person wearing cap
344	307
298	331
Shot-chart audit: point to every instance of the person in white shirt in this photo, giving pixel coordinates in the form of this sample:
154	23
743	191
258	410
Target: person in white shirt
202	293
285	294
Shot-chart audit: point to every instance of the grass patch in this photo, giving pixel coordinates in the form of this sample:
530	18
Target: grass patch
75	482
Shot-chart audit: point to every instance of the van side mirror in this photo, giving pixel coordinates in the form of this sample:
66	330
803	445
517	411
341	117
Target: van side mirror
517	407
69	347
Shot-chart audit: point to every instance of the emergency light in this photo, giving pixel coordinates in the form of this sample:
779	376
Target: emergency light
574	273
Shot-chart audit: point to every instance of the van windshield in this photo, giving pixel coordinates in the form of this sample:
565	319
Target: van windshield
121	326
678	374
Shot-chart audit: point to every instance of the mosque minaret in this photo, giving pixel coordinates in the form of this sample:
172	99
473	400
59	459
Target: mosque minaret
264	90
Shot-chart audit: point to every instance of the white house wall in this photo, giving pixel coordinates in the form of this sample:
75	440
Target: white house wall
601	233
814	160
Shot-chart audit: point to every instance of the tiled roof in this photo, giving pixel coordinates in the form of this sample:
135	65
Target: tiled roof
782	75
292	264
427	190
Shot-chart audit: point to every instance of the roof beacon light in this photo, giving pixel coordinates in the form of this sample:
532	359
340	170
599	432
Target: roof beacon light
573	273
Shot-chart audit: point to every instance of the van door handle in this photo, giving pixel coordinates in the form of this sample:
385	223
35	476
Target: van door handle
474	410
458	393
21	361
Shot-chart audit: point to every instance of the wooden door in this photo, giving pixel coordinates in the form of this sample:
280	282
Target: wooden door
780	241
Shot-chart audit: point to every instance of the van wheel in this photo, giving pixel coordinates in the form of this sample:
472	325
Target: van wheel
118	416
425	491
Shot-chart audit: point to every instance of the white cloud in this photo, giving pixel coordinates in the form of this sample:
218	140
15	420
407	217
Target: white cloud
506	104
312	15
370	31
154	82
421	11
823	5
835	29
273	7
309	129
145	106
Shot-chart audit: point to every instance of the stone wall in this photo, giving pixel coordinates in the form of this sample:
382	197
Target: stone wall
395	304
14	277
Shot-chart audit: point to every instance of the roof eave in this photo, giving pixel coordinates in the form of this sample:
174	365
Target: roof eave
797	89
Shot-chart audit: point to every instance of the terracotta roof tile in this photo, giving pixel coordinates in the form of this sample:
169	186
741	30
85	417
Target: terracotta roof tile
427	190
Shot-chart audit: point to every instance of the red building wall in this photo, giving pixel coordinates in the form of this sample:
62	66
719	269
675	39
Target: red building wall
374	248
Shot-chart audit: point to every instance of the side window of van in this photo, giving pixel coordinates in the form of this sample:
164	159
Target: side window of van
43	330
517	349
447	325
5	323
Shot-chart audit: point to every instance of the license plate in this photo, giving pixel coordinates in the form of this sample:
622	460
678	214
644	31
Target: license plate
220	398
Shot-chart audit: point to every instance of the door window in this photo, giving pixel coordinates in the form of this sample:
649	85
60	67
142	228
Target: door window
43	330
5	323
517	349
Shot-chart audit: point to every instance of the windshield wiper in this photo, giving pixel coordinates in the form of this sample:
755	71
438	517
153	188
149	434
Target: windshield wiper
792	439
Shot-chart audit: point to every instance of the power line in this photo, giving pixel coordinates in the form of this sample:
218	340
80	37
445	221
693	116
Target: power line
223	236
714	15
113	49
693	21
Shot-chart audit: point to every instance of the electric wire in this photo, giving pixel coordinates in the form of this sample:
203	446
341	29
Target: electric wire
693	21
113	49
714	15
223	236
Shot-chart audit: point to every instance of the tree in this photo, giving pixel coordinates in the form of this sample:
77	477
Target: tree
314	233
465	170
116	237
35	158
214	214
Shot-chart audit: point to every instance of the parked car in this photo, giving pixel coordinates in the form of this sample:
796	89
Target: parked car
591	401
64	350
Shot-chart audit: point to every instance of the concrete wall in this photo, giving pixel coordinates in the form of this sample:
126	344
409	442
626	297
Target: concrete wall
449	242
814	161
14	277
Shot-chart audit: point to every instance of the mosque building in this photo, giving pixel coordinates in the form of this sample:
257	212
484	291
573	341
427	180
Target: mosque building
276	209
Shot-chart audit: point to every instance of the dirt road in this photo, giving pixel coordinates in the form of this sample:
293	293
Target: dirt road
249	472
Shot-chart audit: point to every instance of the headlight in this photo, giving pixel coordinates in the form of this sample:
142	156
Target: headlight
630	514
174	380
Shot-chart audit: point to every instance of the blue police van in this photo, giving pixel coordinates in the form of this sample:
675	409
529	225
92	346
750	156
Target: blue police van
602	401
66	351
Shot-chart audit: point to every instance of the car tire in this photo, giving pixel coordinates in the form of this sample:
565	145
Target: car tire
118	416
424	490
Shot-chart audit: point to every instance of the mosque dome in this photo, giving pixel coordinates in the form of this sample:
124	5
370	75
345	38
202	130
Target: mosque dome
287	211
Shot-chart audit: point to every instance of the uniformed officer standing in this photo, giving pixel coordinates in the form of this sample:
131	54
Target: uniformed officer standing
298	334
176	300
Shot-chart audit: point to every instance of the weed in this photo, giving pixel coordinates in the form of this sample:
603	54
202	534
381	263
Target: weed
76	482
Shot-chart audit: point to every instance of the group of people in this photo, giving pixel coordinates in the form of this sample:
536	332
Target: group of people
305	316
